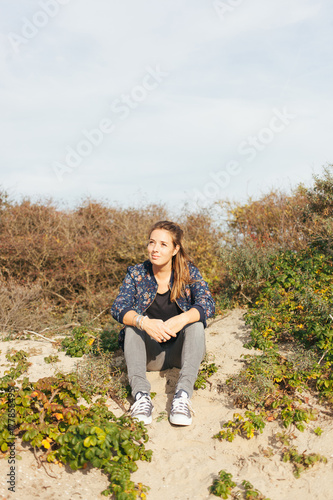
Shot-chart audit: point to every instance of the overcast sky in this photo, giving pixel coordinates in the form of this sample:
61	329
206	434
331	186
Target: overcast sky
163	101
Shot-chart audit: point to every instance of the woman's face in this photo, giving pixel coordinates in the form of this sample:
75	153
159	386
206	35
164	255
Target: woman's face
161	248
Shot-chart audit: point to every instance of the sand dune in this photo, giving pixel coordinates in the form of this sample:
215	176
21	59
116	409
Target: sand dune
186	460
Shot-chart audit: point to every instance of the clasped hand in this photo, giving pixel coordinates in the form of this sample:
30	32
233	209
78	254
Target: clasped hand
161	331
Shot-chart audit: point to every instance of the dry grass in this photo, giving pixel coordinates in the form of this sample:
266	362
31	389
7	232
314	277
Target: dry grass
71	262
22	307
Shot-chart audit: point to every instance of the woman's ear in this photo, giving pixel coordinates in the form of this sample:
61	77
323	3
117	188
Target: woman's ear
177	247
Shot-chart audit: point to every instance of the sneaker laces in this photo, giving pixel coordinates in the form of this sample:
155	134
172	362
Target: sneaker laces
142	406
182	405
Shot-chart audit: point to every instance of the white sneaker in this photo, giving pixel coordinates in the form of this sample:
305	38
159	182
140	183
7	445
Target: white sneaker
142	409
181	409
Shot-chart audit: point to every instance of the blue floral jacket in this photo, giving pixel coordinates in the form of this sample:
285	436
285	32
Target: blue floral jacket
139	289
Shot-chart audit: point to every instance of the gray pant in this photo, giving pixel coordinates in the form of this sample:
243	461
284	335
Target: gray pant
143	353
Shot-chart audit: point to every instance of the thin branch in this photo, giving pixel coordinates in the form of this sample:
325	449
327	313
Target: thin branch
44	329
36	457
39	335
98	315
215	320
57	295
245	297
50	475
323	356
42	462
112	394
69	325
54	395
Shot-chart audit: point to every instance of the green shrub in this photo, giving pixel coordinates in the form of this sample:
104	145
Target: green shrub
222	486
79	343
301	461
206	371
48	417
84	339
296	302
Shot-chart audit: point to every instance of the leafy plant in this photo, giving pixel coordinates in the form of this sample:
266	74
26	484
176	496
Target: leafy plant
296	302
222	486
268	377
49	417
295	307
79	343
252	493
21	366
84	340
52	359
162	416
207	370
106	341
301	461
249	426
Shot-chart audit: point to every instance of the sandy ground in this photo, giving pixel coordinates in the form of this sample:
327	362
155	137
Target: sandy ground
185	460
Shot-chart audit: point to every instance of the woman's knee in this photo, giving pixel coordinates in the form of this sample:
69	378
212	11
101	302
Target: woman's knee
194	338
133	341
196	329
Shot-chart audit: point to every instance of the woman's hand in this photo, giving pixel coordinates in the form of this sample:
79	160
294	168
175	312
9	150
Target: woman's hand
177	323
157	329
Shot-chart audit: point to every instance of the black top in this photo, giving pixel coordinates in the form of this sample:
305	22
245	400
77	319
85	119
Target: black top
162	308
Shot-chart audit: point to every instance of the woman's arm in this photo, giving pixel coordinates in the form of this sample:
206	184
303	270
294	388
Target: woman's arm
177	323
125	299
201	297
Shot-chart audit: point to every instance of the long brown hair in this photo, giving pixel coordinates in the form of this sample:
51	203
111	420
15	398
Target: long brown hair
179	261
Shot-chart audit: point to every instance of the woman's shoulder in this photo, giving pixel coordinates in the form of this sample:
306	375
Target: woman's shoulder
193	270
191	266
140	269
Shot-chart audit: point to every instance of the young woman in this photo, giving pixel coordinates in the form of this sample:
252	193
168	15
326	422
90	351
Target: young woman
164	303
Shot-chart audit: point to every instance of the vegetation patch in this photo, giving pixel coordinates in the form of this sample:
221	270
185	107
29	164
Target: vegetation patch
206	371
60	268
224	486
60	430
301	461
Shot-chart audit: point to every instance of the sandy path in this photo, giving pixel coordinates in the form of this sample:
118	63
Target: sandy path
186	460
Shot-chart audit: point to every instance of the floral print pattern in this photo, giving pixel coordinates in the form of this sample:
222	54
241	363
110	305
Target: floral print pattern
139	290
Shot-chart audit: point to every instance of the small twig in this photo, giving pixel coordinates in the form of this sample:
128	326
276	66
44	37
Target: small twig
215	320
39	335
322	356
210	384
69	325
57	295
54	395
114	397
245	297
98	315
36	457
44	329
44	466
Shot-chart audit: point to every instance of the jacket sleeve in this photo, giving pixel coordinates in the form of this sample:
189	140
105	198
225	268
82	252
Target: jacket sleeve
125	300
201	297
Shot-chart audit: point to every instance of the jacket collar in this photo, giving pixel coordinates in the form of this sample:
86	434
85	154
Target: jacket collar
149	267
